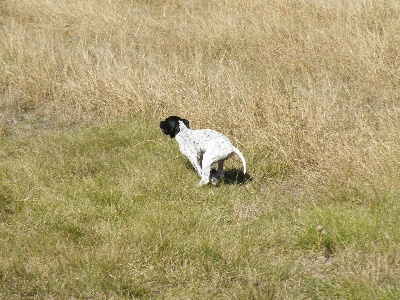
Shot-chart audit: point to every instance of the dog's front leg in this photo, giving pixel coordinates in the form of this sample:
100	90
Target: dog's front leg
195	162
192	157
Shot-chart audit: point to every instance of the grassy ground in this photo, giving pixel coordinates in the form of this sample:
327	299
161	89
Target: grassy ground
114	211
96	203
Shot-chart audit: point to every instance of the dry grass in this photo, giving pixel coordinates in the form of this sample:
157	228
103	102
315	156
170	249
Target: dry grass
314	83
309	90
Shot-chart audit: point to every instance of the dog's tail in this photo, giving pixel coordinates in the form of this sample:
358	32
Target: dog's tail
236	150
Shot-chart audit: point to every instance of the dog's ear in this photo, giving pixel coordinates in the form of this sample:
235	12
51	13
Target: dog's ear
186	122
173	128
171	125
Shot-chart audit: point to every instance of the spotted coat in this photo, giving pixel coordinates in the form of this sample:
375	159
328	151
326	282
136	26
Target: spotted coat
202	147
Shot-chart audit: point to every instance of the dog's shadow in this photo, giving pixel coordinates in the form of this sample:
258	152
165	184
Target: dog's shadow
231	176
235	176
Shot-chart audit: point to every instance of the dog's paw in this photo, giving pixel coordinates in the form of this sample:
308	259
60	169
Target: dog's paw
214	177
214	181
202	184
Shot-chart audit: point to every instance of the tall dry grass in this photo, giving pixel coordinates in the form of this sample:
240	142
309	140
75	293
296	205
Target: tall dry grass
313	85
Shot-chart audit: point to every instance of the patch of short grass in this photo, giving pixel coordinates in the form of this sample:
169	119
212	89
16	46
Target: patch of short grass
114	211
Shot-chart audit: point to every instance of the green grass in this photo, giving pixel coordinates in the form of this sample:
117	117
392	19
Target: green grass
113	211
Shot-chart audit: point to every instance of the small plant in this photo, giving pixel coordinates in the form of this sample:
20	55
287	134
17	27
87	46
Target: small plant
321	233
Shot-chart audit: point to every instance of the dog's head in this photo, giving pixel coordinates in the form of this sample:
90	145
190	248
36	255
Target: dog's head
170	126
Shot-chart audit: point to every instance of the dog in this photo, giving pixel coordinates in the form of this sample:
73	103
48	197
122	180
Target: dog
202	147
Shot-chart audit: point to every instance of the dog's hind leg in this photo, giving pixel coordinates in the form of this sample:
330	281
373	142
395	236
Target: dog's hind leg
218	174
220	170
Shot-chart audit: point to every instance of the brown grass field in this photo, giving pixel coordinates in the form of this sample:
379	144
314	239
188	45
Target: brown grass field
95	203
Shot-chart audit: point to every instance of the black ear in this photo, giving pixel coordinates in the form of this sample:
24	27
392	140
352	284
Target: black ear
173	129
171	125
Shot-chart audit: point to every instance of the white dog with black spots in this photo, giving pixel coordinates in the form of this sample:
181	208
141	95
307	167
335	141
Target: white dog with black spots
202	147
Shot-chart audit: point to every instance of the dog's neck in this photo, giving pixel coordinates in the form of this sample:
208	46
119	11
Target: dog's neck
183	131
182	127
